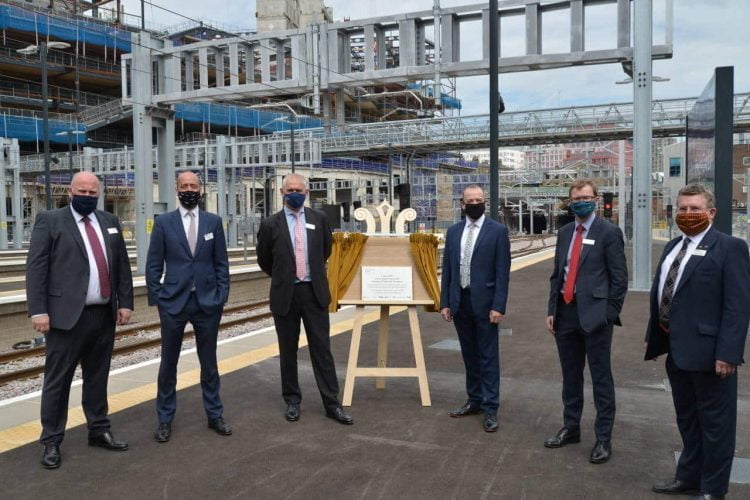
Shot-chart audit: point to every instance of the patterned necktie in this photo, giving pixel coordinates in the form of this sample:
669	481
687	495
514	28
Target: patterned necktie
192	233
101	262
575	256
665	305
466	259
299	247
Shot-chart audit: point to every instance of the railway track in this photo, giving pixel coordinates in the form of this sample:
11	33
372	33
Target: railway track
128	331
127	347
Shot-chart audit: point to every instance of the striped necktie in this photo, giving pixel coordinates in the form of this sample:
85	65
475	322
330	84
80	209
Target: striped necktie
670	283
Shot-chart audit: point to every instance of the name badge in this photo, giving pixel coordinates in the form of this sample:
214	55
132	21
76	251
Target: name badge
208	236
310	226
588	242
112	230
699	252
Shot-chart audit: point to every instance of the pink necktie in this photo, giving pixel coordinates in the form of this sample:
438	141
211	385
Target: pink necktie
299	247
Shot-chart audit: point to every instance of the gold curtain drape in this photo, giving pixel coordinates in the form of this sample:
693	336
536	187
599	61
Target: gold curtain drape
424	249
346	254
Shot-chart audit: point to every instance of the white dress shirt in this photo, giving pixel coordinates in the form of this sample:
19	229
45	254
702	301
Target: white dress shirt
478	223
186	220
586	228
695	241
93	293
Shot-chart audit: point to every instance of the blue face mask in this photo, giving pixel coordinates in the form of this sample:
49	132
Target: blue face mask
84	205
294	200
582	209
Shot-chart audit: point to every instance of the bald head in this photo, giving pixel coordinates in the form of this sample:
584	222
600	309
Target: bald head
85	184
188	181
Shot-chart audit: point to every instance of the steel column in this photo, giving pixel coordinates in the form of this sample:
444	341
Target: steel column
642	245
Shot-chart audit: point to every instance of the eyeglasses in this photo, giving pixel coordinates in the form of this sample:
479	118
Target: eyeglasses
583	198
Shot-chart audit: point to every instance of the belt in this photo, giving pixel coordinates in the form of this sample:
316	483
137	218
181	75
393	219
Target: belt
91	306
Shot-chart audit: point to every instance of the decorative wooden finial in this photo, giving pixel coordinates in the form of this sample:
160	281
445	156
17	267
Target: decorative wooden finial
385	214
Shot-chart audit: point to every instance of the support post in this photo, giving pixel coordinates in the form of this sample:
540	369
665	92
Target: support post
494	54
642	133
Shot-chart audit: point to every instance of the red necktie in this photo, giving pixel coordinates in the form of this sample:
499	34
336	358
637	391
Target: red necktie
101	262
575	256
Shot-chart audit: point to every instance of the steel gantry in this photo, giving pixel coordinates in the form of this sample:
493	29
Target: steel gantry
317	61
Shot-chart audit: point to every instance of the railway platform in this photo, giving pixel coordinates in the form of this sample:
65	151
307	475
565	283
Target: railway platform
396	447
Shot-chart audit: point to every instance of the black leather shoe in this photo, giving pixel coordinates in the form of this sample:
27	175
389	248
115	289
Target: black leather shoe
163	433
468	409
564	436
108	441
220	426
675	487
51	458
340	416
292	412
601	452
490	422
707	496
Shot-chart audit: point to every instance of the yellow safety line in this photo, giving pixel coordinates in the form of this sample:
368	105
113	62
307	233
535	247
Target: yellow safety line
29	432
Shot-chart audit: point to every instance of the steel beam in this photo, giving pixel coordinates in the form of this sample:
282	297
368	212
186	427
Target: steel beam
642	134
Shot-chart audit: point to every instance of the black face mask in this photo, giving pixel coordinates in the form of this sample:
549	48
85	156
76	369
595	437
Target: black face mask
474	210
83	204
189	199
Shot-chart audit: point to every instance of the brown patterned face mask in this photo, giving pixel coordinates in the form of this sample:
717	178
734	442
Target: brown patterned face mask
692	223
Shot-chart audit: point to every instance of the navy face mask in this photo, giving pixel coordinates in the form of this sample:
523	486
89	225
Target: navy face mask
83	204
582	209
294	200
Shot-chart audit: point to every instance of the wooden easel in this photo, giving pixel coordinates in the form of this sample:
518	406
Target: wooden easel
386	250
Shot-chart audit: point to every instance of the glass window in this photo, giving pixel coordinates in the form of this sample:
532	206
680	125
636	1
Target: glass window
674	167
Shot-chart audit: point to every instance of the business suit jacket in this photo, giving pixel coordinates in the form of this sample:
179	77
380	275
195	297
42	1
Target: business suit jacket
490	268
710	310
208	270
57	267
602	279
276	257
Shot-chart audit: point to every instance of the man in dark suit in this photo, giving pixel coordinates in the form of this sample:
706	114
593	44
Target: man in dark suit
700	310
293	247
190	243
474	291
587	289
78	286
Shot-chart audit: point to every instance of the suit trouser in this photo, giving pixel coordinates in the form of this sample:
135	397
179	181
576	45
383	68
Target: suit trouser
706	407
206	326
574	346
479	348
90	341
305	307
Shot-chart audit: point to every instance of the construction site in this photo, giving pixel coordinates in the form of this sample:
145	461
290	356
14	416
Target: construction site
368	110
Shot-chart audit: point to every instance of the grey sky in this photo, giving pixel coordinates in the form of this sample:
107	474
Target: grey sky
706	34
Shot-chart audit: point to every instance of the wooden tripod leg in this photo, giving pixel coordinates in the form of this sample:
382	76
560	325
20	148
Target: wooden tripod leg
382	344
351	367
416	337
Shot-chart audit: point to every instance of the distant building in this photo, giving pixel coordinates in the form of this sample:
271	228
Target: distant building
511	159
276	15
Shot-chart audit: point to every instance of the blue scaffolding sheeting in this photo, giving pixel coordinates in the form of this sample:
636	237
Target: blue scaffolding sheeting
27	128
233	116
79	30
448	102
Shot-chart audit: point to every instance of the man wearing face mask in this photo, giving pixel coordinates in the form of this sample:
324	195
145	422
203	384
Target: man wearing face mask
78	286
700	310
587	290
293	247
474	292
190	243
